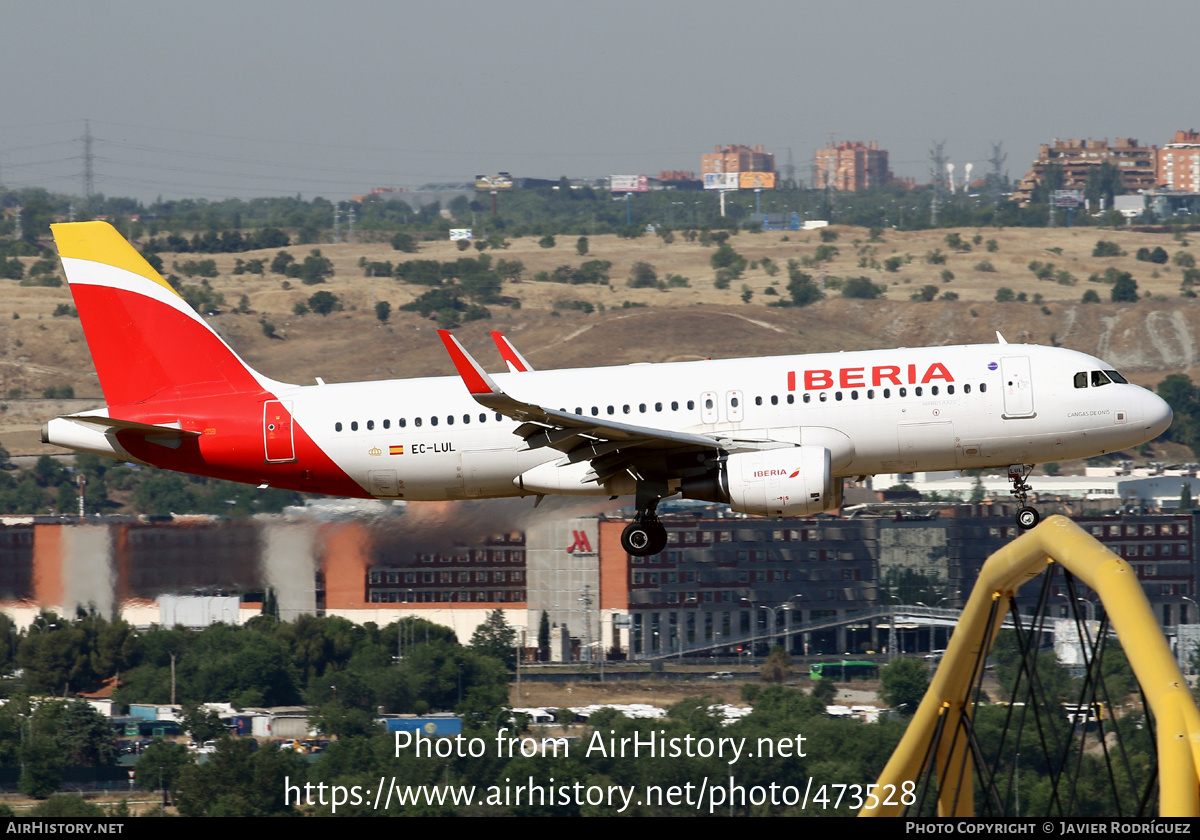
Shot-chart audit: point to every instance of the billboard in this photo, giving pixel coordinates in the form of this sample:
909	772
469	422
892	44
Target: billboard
756	180
630	183
460	233
720	180
1068	198
499	181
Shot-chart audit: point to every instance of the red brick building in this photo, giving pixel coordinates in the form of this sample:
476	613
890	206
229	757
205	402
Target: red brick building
737	159
1179	162
851	166
1077	159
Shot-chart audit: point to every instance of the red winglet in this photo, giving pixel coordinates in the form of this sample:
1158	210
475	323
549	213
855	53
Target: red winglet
473	376
512	357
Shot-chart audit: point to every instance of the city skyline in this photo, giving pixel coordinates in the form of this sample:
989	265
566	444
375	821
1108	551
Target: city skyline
264	99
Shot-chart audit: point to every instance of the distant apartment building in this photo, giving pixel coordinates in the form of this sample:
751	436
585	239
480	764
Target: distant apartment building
851	166
1179	162
737	159
1077	159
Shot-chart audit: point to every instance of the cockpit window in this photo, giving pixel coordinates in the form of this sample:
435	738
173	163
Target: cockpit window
1081	379
1116	377
1098	379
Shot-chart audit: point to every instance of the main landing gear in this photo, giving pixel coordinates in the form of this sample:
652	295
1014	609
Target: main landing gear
645	535
1027	517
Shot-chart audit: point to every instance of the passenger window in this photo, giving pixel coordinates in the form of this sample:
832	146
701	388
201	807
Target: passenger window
792	399
838	396
933	390
1081	379
871	393
354	426
807	397
674	406
707	404
433	420
642	408
774	400
949	389
887	393
733	402
370	425
402	423
595	411
337	427
691	405
1098	379
822	396
967	388
387	424
658	406
625	409
578	410
904	392
610	409
450	420
758	400
917	391
854	395
982	387
466	418
417	422
498	416
483	417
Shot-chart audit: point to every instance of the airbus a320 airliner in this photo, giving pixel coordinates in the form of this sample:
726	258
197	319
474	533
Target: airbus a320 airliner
770	436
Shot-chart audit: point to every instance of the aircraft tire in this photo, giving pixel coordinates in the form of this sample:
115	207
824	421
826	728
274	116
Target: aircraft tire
1027	518
641	539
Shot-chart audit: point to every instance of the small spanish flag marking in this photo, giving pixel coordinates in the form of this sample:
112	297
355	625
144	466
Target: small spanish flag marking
395	450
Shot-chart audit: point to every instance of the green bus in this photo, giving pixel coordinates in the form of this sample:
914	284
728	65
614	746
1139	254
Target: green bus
847	669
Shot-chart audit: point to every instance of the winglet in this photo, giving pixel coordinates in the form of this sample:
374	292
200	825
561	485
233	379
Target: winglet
473	376
1000	338
512	357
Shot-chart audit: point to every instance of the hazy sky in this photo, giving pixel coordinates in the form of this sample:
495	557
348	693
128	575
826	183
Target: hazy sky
221	99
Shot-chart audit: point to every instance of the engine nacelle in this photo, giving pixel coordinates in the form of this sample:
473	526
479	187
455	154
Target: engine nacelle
773	482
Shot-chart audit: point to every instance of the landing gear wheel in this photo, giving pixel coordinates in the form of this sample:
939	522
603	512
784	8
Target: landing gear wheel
1027	517
641	539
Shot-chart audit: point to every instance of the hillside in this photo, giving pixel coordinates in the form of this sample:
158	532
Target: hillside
1146	340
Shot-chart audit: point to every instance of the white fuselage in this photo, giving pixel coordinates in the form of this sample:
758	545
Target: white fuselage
882	411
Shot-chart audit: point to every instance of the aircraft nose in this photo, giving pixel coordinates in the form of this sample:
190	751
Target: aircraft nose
1156	414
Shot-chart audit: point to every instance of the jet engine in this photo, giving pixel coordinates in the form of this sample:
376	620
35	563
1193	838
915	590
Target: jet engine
775	482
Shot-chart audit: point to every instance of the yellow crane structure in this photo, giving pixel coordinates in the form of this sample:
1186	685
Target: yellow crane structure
938	749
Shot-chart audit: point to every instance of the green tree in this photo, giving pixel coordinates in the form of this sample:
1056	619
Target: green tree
160	765
642	276
862	288
902	683
581	246
324	302
1090	296
383	311
497	638
544	637
1005	295
1125	290
801	286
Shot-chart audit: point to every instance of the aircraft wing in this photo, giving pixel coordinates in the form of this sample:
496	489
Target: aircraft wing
612	447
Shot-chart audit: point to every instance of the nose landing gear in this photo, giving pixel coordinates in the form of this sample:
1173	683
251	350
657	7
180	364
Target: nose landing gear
1027	517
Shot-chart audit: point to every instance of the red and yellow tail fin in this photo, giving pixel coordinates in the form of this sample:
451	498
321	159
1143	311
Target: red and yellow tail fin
146	342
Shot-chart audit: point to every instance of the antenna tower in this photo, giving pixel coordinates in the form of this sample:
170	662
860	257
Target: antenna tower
996	176
937	155
88	179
